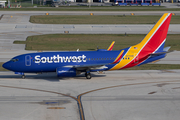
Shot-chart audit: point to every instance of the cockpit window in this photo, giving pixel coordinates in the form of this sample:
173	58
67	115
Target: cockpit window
14	60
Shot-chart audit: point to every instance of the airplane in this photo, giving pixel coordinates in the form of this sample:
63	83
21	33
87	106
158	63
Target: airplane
71	64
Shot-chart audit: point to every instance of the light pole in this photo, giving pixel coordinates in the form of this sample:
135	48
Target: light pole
9	3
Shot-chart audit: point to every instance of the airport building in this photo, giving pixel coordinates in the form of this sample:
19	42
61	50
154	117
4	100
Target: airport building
121	1
58	3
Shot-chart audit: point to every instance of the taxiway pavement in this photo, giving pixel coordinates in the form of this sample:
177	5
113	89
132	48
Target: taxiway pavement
125	95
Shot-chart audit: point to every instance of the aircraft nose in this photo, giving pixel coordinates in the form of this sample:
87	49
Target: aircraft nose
6	65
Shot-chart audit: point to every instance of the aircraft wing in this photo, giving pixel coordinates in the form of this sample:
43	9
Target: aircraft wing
91	66
101	66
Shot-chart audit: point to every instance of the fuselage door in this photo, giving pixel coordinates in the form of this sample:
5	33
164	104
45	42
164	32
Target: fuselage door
136	59
28	60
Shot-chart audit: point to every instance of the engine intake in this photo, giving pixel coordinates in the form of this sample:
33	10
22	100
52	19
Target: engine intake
66	72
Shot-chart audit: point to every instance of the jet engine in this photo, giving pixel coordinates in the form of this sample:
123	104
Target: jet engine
66	72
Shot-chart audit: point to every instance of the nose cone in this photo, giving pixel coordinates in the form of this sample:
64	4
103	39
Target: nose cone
6	65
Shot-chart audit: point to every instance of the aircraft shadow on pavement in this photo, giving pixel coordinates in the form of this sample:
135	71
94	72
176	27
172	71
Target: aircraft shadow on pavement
82	77
50	77
46	76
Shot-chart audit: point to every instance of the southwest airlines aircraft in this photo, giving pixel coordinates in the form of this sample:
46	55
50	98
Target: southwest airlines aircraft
70	64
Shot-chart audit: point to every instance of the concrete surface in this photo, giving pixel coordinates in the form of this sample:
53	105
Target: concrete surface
125	95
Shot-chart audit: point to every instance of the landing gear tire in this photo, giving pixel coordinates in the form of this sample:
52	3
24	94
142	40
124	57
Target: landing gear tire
23	77
88	75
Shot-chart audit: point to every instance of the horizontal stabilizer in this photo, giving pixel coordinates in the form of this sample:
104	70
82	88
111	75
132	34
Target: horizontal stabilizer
166	48
90	65
160	53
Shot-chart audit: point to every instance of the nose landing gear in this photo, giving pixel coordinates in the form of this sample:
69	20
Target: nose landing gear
23	76
21	73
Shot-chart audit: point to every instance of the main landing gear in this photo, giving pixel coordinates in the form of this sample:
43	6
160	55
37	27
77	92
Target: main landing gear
88	75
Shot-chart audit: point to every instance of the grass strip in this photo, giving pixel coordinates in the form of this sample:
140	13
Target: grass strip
1	68
72	42
100	19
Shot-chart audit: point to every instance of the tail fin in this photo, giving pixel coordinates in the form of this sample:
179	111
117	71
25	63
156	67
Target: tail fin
155	39
152	43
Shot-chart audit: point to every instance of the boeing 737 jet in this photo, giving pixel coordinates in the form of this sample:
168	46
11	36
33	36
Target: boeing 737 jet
70	64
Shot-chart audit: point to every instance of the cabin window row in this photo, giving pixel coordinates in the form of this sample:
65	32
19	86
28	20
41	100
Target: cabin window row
99	59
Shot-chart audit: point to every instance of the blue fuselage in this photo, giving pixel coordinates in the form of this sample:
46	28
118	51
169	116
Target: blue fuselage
49	61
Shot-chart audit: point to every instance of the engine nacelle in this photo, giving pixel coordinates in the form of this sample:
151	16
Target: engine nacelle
66	72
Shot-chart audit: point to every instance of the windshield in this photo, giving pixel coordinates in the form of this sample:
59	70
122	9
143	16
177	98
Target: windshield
14	60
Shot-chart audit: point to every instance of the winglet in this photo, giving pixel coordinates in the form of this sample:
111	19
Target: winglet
111	46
